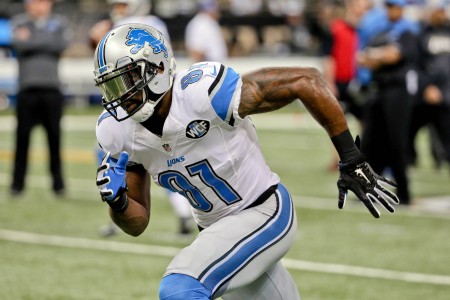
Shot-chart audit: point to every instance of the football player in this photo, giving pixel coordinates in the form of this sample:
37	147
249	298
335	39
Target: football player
190	132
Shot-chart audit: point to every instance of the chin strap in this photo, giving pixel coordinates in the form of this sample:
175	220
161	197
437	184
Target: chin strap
146	111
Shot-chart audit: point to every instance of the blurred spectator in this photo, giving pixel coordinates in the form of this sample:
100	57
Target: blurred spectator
174	8
301	40
5	45
433	106
246	7
100	28
138	11
126	11
319	15
38	38
339	58
290	36
5	37
339	54
372	23
203	37
242	25
392	57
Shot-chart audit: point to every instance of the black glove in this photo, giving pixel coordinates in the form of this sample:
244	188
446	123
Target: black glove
359	177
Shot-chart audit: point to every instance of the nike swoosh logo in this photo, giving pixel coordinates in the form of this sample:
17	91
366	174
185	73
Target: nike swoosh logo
215	72
361	173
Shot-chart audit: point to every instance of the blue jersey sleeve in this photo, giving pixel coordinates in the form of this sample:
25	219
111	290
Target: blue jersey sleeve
222	90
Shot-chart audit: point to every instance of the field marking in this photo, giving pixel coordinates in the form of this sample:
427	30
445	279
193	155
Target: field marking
87	186
82	243
285	121
164	251
80	156
366	272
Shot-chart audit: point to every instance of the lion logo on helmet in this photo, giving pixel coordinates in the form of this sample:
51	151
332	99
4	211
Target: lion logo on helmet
138	37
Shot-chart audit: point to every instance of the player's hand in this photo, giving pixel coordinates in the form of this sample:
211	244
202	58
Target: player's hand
111	177
367	186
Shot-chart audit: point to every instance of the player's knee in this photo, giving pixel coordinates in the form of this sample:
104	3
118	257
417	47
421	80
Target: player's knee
182	287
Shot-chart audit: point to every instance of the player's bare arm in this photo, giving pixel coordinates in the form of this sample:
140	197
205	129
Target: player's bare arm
272	88
135	219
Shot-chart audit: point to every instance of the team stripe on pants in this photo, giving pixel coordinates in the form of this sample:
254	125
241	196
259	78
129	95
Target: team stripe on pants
248	248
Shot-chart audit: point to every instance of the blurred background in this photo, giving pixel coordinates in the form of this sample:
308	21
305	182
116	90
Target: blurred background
53	244
270	30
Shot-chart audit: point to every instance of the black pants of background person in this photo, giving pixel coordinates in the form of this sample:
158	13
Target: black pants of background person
38	106
384	140
348	100
437	116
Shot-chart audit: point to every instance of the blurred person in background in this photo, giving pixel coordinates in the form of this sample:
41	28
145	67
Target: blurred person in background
339	58
39	39
204	38
174	8
138	11
290	36
246	7
5	51
5	36
246	36
392	58
126	11
301	40
319	16
373	22
433	103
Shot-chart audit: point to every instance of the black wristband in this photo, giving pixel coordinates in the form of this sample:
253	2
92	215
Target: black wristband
346	147
120	205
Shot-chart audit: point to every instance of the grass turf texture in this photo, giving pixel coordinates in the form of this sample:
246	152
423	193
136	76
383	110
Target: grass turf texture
411	240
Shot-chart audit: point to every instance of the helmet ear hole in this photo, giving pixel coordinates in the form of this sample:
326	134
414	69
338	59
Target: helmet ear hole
161	68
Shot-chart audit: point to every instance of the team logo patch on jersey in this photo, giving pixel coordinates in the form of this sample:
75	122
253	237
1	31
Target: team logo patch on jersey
197	129
138	37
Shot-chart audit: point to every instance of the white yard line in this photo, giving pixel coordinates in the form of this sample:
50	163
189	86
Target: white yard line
267	121
164	251
366	272
81	243
87	186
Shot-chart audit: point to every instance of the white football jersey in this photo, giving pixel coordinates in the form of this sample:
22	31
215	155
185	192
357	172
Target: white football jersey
207	152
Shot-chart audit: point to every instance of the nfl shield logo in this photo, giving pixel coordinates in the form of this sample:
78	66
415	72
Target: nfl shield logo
167	147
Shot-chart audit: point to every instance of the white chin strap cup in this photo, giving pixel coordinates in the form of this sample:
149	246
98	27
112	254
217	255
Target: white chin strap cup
145	112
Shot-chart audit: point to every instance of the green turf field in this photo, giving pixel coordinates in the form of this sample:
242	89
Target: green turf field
50	248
